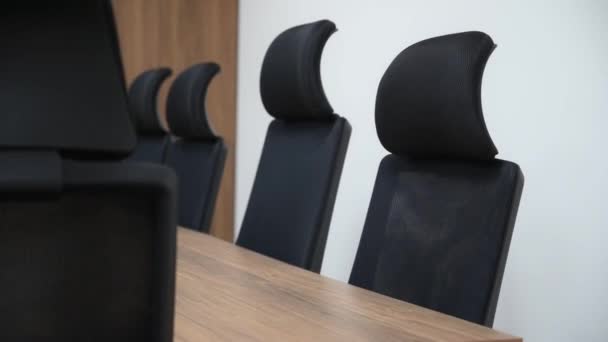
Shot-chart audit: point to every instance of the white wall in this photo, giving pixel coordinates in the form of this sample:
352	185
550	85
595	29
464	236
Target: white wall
545	98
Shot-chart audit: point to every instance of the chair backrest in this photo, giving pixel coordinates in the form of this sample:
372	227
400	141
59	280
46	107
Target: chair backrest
152	139
197	154
87	244
293	195
442	211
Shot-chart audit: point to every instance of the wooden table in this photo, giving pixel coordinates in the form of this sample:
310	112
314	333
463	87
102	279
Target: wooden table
227	293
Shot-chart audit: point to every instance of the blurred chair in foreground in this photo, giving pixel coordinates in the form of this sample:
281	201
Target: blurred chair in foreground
87	244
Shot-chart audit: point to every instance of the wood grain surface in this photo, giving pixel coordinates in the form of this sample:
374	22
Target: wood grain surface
227	293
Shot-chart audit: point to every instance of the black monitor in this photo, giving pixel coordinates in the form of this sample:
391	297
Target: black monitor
61	79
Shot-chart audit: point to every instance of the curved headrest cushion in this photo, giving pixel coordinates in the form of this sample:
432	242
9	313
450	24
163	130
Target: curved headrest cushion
429	100
291	77
143	96
186	114
62	85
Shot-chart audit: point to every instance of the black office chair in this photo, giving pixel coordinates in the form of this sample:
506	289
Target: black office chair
152	139
87	244
442	211
295	187
197	154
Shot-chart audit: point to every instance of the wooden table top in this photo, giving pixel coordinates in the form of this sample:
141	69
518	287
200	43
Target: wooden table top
227	293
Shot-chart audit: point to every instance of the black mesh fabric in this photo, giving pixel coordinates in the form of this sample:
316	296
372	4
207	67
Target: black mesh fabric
437	234
199	166
442	211
429	100
290	82
293	194
94	262
295	187
62	258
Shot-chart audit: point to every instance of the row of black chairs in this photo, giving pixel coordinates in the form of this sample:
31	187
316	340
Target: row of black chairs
443	208
442	211
88	249
292	199
192	148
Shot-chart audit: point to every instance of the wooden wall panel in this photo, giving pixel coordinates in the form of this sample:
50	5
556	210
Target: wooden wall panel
177	34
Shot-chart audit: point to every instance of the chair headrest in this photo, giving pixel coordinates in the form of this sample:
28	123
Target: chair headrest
429	100
62	85
143	101
291	77
186	114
